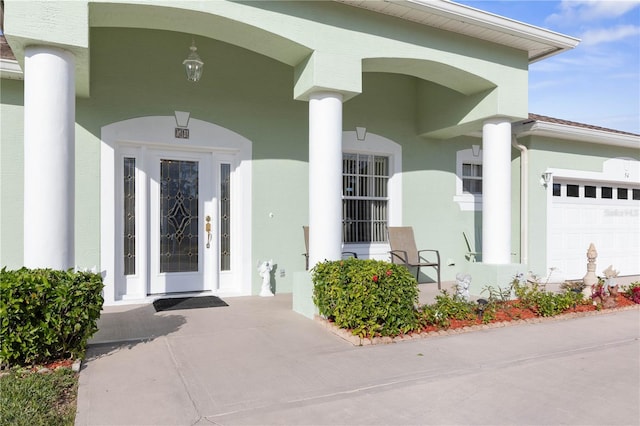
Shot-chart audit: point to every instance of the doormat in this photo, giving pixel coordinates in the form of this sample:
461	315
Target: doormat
173	304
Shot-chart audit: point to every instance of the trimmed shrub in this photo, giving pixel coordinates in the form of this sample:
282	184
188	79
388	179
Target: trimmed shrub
445	308
545	303
369	297
47	314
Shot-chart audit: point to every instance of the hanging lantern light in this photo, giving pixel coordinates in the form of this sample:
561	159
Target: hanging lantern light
193	64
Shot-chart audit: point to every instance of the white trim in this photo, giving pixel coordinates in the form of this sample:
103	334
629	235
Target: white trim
379	145
615	170
140	134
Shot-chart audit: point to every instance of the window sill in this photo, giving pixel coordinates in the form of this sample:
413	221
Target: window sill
468	202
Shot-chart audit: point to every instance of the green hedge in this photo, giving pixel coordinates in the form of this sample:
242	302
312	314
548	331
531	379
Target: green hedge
47	314
369	297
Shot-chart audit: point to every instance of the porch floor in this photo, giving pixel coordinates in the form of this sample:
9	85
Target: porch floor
258	362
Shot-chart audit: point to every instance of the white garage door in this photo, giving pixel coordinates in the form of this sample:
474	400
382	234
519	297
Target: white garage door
605	214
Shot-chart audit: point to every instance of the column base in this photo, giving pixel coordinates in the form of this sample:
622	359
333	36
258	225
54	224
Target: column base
303	295
485	274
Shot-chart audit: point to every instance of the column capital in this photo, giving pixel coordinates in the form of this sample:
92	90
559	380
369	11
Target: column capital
327	72
325	95
497	120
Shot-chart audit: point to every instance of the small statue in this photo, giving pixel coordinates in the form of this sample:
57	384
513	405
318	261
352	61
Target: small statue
590	279
610	275
265	272
611	300
462	285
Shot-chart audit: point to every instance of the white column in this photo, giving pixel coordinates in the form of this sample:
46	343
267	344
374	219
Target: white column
49	157
496	191
325	177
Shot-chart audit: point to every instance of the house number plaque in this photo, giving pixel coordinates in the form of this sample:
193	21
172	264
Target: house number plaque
182	133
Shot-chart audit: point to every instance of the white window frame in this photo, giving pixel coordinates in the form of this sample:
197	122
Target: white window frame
378	145
372	176
467	201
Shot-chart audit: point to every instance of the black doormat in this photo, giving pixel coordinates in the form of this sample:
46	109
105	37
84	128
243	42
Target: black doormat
172	304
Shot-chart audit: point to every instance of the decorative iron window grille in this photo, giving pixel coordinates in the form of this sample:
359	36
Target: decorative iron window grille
365	180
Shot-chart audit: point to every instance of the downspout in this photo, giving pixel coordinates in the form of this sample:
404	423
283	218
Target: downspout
524	199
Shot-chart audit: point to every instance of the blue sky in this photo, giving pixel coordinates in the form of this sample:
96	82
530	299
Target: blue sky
596	83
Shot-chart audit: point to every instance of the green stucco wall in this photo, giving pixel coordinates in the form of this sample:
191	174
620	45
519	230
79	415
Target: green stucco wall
259	58
11	173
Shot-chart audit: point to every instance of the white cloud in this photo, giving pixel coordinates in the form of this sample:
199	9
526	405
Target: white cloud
589	10
597	36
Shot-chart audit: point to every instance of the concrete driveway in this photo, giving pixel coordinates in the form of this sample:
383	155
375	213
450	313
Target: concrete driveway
256	362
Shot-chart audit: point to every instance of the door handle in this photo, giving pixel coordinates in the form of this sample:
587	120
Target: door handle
207	228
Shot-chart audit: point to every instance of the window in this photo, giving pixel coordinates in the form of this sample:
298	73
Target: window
636	194
225	217
129	200
622	193
365	198
556	189
472	178
589	191
573	190
607	192
469	179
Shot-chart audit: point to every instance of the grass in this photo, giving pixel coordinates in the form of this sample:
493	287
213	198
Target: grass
29	399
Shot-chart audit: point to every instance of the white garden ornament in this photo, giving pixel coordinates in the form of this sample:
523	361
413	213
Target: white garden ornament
265	272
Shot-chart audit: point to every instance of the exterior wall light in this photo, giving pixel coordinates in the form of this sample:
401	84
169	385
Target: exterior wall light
546	178
193	64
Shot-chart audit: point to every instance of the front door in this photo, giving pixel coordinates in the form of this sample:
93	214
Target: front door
182	250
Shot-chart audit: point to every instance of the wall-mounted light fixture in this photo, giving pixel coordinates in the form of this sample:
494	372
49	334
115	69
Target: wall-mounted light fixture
193	64
546	178
361	133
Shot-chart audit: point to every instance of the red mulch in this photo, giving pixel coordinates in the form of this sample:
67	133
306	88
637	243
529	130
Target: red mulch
54	365
511	312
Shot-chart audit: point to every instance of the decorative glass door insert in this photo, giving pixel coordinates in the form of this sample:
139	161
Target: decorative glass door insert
179	219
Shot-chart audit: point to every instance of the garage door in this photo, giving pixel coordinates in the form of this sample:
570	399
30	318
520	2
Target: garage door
605	214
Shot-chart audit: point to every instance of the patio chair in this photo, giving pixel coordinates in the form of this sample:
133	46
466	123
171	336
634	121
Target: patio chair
471	254
305	229
404	251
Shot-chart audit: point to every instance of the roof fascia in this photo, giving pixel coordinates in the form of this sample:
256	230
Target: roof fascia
581	134
10	68
499	23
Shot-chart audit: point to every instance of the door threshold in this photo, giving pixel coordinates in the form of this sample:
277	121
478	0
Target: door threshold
175	295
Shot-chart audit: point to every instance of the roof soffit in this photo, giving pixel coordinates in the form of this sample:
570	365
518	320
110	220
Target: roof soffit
539	43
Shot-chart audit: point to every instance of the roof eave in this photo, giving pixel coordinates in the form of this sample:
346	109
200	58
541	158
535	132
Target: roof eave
580	134
10	68
559	42
549	43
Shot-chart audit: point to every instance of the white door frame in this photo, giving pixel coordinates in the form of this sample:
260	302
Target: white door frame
206	275
138	136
